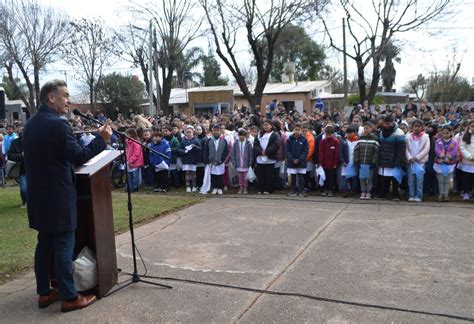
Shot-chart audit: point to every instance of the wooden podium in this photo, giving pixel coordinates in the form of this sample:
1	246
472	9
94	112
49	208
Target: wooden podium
95	222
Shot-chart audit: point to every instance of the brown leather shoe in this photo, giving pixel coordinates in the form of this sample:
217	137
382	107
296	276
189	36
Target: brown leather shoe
45	301
81	302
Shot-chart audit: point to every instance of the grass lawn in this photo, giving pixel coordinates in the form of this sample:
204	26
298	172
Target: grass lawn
17	240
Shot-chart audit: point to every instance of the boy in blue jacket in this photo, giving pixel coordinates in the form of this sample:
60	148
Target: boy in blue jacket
296	151
159	163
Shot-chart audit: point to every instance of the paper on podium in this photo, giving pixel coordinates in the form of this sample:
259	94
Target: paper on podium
97	158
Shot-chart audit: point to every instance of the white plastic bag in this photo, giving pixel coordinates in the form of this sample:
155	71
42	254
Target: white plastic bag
251	177
321	175
206	182
84	270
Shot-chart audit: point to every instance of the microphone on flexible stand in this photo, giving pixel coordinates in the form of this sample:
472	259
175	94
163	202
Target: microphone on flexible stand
77	112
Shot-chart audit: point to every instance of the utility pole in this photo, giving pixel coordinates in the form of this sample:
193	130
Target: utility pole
150	73
344	58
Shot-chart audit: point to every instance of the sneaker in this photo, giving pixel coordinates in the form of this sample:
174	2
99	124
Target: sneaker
466	197
214	191
220	192
292	194
418	200
303	194
368	196
324	193
345	194
23	206
330	194
163	190
446	198
194	189
188	189
245	192
440	198
226	188
266	193
396	198
240	191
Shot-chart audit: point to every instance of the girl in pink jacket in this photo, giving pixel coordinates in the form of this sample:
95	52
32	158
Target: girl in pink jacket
134	159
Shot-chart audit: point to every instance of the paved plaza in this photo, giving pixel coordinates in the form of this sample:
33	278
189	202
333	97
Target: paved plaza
279	260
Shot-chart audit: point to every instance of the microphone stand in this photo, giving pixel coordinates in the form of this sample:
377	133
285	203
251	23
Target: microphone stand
135	276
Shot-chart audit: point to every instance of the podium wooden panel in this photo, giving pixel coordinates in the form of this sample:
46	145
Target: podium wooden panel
95	222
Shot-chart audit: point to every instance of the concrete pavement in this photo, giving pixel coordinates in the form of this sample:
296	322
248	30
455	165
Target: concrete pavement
323	260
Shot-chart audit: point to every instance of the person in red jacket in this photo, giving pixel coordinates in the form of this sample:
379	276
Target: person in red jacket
328	158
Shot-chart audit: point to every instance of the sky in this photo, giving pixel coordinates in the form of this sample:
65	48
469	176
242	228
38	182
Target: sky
430	48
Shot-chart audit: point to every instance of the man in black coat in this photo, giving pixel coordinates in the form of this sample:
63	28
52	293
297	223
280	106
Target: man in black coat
15	154
51	154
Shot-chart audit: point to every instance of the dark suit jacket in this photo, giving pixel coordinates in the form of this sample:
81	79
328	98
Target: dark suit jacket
51	155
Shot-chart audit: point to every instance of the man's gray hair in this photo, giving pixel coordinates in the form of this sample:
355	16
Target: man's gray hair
48	87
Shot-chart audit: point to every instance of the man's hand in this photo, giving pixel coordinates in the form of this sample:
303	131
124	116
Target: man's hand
106	132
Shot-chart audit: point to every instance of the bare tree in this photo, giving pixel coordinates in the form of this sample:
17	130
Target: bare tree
373	26
90	50
175	26
132	46
261	22
31	36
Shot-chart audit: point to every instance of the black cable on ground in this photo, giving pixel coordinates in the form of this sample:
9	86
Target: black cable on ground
323	299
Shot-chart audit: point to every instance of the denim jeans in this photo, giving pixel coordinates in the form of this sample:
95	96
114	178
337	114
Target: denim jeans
22	181
134	179
415	184
349	184
61	245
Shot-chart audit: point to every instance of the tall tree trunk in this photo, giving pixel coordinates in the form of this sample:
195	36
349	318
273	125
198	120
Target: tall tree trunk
375	78
36	94
91	95
361	80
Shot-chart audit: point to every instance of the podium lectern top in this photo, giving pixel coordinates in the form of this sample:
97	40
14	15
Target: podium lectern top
98	162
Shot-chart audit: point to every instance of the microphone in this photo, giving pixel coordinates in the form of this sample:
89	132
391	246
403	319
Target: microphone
77	112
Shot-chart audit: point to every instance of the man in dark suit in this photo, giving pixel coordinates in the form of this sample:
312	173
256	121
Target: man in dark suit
51	154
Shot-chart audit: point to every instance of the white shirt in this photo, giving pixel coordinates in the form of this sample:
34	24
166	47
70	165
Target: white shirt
264	139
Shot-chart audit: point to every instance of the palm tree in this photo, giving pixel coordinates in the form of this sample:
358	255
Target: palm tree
389	54
186	62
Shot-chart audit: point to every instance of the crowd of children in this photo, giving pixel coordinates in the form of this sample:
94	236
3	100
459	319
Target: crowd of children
371	159
390	153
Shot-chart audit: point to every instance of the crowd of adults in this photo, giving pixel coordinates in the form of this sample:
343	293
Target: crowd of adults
383	151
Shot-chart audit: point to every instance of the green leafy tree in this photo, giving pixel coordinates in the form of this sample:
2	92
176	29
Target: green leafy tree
14	90
212	71
187	61
120	91
295	45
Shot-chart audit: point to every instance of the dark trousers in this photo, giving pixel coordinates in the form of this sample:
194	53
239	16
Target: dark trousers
265	177
385	187
174	178
297	183
22	181
458	180
217	181
330	179
467	179
61	245
148	176
431	183
199	176
161	179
